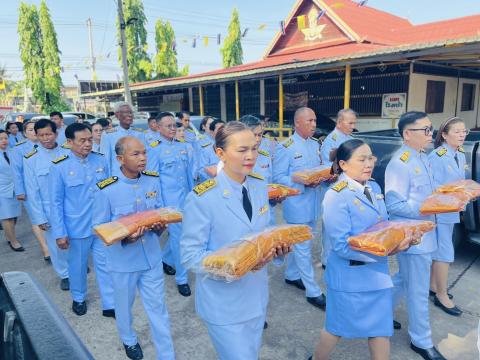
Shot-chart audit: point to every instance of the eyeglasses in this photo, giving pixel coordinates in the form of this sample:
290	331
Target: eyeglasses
427	130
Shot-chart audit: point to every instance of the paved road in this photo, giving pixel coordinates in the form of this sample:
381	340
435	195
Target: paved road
293	323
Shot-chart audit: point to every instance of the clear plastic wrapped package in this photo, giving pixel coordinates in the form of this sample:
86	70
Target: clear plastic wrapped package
125	226
276	191
444	203
468	187
313	175
236	259
383	238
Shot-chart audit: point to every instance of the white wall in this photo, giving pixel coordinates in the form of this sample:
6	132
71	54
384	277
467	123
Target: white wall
372	124
417	94
470	117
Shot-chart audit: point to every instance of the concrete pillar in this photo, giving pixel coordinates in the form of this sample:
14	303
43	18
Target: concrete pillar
223	103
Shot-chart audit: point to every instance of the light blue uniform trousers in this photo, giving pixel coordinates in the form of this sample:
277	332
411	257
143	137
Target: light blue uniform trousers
58	257
413	282
77	268
237	341
171	253
299	265
150	285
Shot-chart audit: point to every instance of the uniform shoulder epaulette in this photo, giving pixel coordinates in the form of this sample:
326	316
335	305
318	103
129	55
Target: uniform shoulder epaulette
180	140
405	156
205	186
155	143
65	146
206	144
201	137
334	137
441	152
59	159
138	129
21	142
256	176
150	173
145	131
461	149
112	130
340	186
263	152
98	153
287	143
188	129
108	181
31	153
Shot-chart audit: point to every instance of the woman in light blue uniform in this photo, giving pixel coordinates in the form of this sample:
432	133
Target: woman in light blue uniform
219	212
448	165
10	207
14	134
359	286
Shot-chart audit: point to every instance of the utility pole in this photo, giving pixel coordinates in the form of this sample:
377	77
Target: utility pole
123	44
92	56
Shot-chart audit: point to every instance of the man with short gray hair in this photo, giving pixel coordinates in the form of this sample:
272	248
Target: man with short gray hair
124	114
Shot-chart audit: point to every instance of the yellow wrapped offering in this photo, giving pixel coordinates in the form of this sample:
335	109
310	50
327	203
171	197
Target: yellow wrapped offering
236	259
276	191
468	187
314	175
383	238
125	226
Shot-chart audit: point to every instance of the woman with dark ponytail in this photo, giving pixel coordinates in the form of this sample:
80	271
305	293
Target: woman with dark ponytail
359	286
448	165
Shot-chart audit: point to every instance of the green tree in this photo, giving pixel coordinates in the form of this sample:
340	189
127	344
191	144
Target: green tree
51	62
30	46
139	65
165	61
232	53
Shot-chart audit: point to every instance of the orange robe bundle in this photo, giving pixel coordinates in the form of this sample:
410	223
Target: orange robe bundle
276	191
451	197
125	226
384	237
314	175
236	259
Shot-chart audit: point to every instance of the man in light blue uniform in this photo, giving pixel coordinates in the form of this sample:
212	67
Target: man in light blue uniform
207	156
72	183
300	152
408	182
346	120
170	159
190	135
57	118
151	134
124	114
135	262
36	167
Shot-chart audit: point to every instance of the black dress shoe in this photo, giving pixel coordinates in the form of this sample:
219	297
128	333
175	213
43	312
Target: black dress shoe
297	283
169	270
319	301
324	267
454	311
265	325
134	352
65	284
396	325
309	358
428	354
17	249
79	308
47	259
431	293
109	313
184	290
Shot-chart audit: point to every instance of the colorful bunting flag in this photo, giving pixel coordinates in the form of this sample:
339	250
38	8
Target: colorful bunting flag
282	27
245	32
262	27
174	45
362	2
320	14
219	39
194	42
337	5
205	41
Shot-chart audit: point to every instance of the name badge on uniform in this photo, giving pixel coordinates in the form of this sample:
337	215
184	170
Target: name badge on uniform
183	152
99	170
379	196
263	209
151	195
297	155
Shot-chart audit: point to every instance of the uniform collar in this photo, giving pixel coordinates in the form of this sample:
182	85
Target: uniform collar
126	180
296	136
412	150
164	139
355	183
450	150
44	149
79	159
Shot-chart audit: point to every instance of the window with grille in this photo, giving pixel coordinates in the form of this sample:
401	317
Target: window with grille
435	97
468	97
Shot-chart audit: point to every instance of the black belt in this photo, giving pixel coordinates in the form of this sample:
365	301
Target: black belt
356	263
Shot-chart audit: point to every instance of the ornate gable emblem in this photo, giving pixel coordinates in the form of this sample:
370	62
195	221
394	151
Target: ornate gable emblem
313	31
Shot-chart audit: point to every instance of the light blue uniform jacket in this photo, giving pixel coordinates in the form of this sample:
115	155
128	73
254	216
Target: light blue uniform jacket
332	141
445	170
348	212
408	182
19	151
207	156
212	220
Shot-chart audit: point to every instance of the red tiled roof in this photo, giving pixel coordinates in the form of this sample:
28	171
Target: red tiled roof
375	30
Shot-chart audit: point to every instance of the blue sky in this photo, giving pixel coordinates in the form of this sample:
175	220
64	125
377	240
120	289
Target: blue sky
189	18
